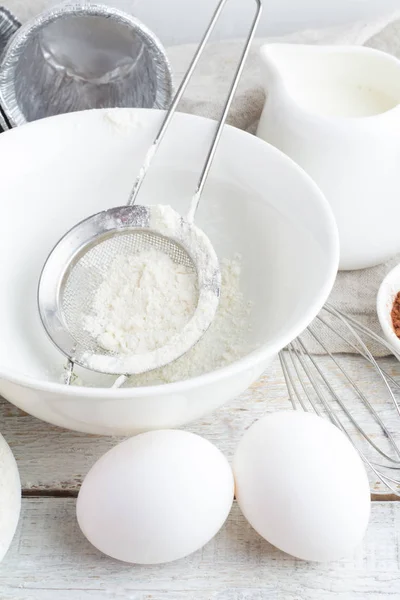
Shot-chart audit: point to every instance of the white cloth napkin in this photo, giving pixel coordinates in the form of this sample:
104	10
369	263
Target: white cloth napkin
354	291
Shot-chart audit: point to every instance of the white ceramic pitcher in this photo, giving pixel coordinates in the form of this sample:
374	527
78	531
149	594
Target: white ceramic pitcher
335	110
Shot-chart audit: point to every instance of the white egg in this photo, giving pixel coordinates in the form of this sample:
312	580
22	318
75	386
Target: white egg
302	486
10	497
156	497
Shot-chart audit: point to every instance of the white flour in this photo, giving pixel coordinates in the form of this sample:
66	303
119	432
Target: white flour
143	303
149	310
225	341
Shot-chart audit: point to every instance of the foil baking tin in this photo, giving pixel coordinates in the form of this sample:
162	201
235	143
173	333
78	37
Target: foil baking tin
81	56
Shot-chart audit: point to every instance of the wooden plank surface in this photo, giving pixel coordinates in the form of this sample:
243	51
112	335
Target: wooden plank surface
51	560
53	461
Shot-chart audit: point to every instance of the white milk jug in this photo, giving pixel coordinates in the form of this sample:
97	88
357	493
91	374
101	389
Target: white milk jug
335	110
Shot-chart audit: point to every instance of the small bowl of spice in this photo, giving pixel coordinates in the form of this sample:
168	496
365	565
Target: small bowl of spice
388	307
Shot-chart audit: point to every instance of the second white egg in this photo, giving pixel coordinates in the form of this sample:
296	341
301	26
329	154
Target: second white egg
302	485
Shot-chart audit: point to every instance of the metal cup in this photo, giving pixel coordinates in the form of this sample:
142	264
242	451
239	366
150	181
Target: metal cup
80	56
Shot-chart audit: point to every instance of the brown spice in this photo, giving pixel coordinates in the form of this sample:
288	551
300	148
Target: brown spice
395	314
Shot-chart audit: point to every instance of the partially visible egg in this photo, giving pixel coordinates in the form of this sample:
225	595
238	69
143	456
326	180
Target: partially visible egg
156	497
302	486
10	497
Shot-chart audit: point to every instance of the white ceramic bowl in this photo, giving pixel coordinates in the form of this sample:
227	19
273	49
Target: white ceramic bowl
257	202
387	292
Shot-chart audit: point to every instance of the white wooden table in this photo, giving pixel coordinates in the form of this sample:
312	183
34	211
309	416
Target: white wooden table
51	560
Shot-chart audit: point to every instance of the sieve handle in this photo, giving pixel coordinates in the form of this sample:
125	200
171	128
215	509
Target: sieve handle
171	111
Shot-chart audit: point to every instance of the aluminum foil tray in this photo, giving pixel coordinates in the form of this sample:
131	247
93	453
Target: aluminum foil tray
81	56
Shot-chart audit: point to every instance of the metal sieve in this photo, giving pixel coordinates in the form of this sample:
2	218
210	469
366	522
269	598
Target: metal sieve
79	56
81	259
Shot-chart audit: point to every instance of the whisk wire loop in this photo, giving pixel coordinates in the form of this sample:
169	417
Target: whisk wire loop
310	387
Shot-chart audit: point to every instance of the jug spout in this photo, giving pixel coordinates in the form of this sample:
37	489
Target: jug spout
277	59
333	81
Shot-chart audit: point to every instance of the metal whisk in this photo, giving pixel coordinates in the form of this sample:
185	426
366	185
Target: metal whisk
312	385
